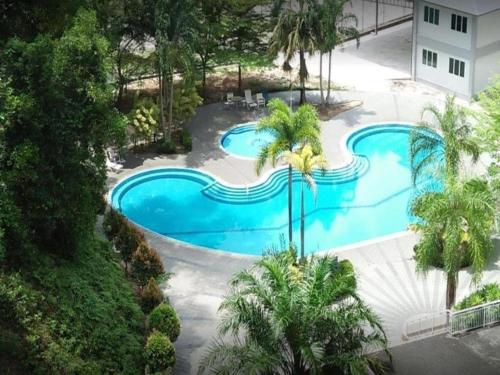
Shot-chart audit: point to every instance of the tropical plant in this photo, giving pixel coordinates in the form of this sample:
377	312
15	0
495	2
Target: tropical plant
285	317
186	100
333	29
305	161
295	32
144	120
175	33
127	241
159	353
487	293
454	224
163	318
430	153
290	130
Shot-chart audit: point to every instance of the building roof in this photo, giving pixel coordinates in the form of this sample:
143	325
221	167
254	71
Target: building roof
475	7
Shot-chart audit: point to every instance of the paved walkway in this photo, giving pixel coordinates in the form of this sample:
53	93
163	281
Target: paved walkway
386	271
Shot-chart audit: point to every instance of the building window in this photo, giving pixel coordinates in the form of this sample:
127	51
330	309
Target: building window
457	67
459	23
429	58
431	15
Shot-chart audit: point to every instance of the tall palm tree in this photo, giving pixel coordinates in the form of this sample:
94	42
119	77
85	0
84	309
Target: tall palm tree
294	32
429	152
290	130
175	32
455	225
333	29
305	161
294	319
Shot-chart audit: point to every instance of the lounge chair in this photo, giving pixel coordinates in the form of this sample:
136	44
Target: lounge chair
229	99
249	100
260	100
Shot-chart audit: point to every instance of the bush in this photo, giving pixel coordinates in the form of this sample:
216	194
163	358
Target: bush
488	293
128	240
146	264
113	222
187	142
159	352
163	318
166	147
151	296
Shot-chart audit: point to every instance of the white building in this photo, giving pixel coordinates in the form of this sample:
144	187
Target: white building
456	43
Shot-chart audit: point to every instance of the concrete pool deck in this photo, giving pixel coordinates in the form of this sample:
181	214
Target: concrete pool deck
385	268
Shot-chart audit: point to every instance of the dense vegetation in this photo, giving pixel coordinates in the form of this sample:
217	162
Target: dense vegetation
487	293
289	317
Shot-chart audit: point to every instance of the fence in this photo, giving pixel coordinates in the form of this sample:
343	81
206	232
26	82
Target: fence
453	322
474	317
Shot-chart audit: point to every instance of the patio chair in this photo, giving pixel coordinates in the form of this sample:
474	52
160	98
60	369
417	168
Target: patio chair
229	99
249	100
260	100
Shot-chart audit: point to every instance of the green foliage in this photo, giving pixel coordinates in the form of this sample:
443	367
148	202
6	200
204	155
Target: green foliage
128	240
58	120
488	293
455	225
187	142
433	155
144	119
151	296
159	352
72	319
112	223
163	318
166	147
282	315
146	264
186	100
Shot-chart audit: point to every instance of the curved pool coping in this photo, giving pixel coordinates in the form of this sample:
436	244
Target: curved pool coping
345	141
226	132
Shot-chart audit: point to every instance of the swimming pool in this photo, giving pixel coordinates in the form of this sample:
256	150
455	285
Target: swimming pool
366	199
243	141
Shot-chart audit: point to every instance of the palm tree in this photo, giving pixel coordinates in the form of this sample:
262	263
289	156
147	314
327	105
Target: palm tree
294	32
305	161
175	33
333	29
428	152
455	226
290	130
294	319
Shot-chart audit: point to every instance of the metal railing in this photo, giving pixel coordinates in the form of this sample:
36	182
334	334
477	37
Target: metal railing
453	322
474	317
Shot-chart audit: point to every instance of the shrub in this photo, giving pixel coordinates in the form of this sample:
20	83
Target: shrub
159	352
144	119
151	296
146	264
163	318
127	241
113	222
166	147
488	293
187	142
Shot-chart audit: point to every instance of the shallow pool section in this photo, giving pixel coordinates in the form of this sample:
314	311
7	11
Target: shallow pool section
244	141
366	199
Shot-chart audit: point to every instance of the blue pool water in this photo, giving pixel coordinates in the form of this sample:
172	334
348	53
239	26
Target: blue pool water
243	141
366	199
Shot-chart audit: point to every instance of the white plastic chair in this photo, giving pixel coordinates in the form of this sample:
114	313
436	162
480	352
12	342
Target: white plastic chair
260	100
249	100
229	99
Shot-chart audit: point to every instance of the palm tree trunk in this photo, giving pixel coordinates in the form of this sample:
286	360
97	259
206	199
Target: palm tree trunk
302	75
170	106
290	231
451	289
321	78
302	219
240	83
329	76
161	83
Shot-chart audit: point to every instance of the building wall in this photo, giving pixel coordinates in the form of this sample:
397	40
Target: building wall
486	67
488	29
447	43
